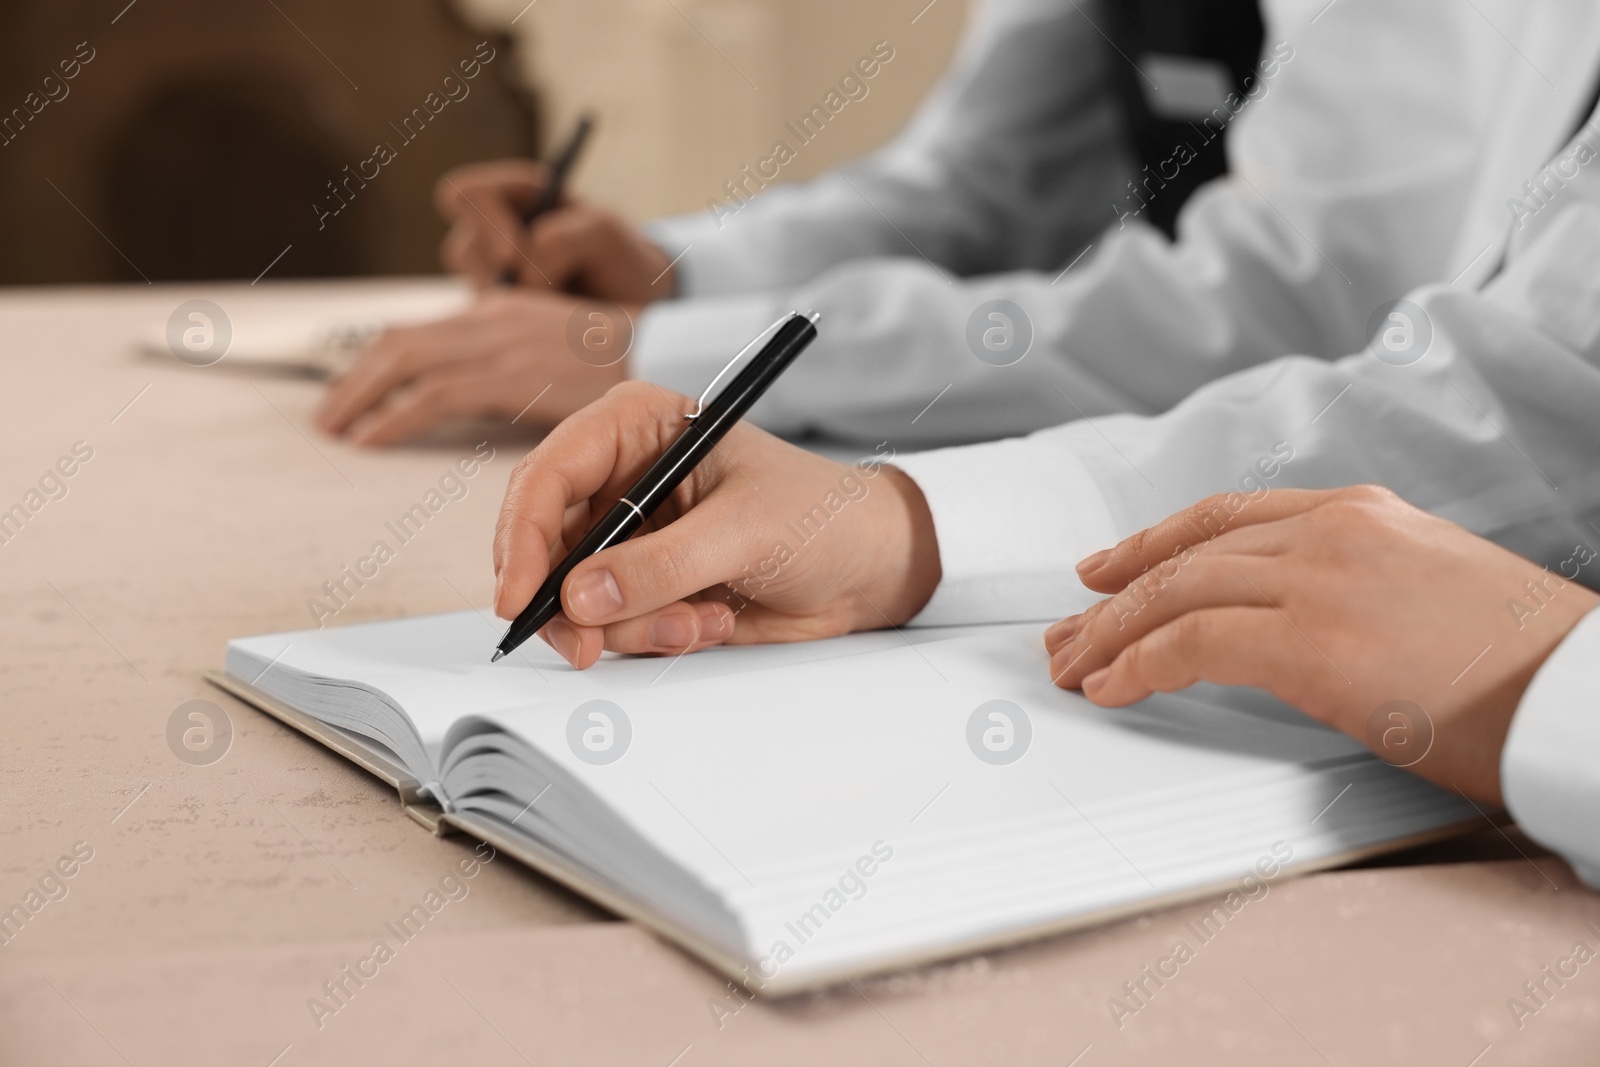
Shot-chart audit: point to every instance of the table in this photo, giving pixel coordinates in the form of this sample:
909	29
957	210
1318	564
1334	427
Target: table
219	898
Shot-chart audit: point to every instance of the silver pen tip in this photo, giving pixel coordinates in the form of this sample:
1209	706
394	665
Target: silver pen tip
497	657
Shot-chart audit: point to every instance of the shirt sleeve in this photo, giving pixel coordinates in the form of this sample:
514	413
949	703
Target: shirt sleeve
1550	768
1485	415
1008	163
1328	214
1009	556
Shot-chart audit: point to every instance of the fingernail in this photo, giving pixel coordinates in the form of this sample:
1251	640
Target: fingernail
499	587
1058	668
1062	630
594	595
1093	683
673	631
1093	563
564	639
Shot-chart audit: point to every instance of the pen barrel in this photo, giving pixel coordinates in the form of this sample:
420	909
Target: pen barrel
616	525
619	523
713	423
559	168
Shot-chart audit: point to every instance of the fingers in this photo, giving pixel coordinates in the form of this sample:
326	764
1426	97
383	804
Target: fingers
397	356
565	246
1245	543
463	254
672	631
515	182
484	203
576	247
1114	568
557	251
609	441
675	629
559	243
1187	583
703	548
578	645
1228	646
422	405
664	631
1059	633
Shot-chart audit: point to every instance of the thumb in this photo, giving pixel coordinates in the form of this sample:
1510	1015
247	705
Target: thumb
707	546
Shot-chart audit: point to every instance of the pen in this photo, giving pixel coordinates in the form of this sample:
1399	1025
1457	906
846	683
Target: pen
706	426
551	193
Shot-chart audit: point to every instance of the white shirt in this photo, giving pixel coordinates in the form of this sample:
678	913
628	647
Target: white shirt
1012	163
1361	162
1550	769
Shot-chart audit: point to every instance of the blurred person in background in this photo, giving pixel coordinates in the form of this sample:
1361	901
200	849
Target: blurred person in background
1361	166
1023	162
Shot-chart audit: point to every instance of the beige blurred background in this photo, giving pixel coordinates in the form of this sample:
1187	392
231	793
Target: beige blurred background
690	90
200	140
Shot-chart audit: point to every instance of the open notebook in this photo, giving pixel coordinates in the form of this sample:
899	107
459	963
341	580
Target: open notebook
799	814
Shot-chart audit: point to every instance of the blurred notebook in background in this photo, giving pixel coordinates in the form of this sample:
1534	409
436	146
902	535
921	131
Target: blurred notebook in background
294	330
800	814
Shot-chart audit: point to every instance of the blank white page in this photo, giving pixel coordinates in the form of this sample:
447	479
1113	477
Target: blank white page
761	772
768	786
437	667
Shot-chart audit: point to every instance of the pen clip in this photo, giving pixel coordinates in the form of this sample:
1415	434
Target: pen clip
761	338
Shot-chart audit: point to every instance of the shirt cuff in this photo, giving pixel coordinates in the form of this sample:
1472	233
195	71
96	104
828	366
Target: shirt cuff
1013	518
1550	768
707	261
681	345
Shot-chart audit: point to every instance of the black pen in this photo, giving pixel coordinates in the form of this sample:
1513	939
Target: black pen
789	336
550	195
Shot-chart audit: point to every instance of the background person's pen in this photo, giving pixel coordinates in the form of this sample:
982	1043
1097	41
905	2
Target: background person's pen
550	195
700	435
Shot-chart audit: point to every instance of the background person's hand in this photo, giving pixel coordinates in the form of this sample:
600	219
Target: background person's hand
708	567
578	247
493	359
1337	602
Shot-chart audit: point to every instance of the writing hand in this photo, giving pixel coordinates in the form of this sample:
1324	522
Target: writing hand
762	542
578	247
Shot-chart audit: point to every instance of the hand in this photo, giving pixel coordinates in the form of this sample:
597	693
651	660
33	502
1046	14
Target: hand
578	247
495	358
1336	602
720	561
